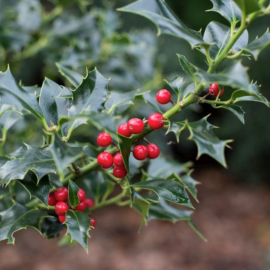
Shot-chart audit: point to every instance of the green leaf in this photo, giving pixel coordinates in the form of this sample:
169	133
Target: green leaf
176	128
166	189
72	76
190	184
228	9
248	6
254	96
73	193
162	167
88	97
201	132
39	190
257	45
165	211
125	148
12	94
235	109
27	158
18	218
52	107
186	66
196	230
63	154
165	20
177	85
219	35
234	76
78	226
141	205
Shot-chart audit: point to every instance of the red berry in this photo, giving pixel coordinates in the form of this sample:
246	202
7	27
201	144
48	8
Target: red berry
163	96
140	152
119	172
61	194
214	90
61	208
135	125
153	151
81	195
105	160
123	130
93	222
89	202
118	160
62	219
104	139
51	199
156	121
81	206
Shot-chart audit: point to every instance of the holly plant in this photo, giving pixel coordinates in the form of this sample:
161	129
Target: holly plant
58	182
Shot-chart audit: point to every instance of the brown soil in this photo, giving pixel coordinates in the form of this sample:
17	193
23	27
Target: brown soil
234	218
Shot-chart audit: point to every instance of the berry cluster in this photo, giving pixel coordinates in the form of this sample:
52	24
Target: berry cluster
59	197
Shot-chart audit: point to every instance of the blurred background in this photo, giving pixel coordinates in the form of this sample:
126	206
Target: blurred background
234	204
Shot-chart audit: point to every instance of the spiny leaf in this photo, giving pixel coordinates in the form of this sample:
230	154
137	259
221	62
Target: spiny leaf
18	218
186	66
39	190
166	189
258	44
248	6
228	9
163	167
176	128
166	21
190	184
73	193
165	211
27	158
88	97
12	94
72	76
53	106
254	96
201	132
78	226
63	154
125	148
234	76
235	109
219	35
177	85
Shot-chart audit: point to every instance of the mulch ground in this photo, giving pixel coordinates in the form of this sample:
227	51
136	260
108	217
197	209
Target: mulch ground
234	218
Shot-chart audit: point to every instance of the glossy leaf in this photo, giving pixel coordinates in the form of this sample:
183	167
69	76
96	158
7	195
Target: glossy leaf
177	84
186	66
63	154
12	94
39	190
228	9
163	167
125	148
190	184
166	189
166	21
254	96
176	128
201	132
248	6
141	205
18	218
49	103
234	76
73	193
78	226
165	211
72	76
235	109
27	158
88	97
220	34
256	46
